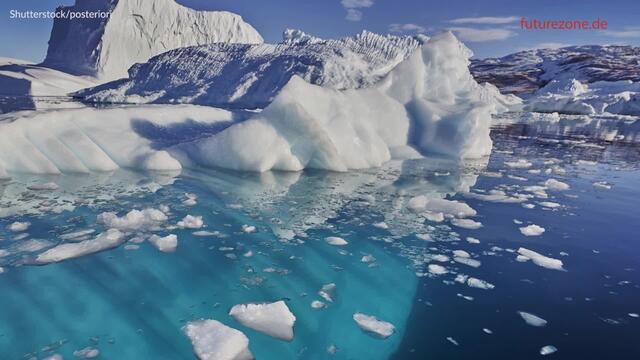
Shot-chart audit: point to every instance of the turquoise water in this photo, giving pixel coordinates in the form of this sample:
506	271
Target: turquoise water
131	303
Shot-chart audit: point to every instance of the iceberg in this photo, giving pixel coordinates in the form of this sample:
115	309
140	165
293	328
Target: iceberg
166	244
135	31
274	319
532	319
541	260
373	326
213	340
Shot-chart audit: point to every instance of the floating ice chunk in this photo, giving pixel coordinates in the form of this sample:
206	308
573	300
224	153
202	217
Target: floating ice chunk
381	225
461	253
469	262
424	237
436	205
440	258
72	236
19	226
453	341
541	260
274	319
166	244
532	319
332	349
43	187
550	204
191	199
554	184
104	241
487	331
373	326
1	270
472	240
466	223
86	353
547	350
519	164
204	233
634	315
134	220
432	216
436	269
532	230
316	304
602	185
191	222
328	291
336	241
368	259
248	229
480	284
522	258
212	340
54	357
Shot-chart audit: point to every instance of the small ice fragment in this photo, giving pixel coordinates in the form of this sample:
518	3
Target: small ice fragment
467	261
336	241
532	319
54	357
133	220
602	185
550	204
332	349
436	269
424	237
248	229
466	223
480	284
547	350
212	340
472	240
191	222
453	341
373	326
522	258
532	230
541	260
167	244
274	319
634	315
368	259
1	270
19	226
191	199
86	353
519	164
43	187
77	234
461	253
328	291
381	225
554	184
487	331
440	258
316	304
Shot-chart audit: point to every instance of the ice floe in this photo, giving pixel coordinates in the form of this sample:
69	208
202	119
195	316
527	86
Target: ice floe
557	185
548	350
466	223
212	340
19	226
104	241
133	220
43	187
540	260
479	283
274	319
370	325
532	230
87	353
532	319
167	243
191	222
336	241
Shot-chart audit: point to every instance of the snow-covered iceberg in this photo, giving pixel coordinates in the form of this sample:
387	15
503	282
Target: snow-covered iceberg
250	76
427	104
135	31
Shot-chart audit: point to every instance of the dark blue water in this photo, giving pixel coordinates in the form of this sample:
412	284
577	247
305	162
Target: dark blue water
131	303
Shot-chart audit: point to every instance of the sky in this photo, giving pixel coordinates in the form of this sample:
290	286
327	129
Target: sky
490	27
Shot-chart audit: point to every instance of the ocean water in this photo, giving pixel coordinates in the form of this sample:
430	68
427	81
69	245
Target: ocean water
131	302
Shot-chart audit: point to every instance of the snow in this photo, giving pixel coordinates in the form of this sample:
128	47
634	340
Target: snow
191	222
167	243
336	241
19	226
532	319
274	319
548	350
135	31
532	230
541	260
212	340
133	220
104	241
371	325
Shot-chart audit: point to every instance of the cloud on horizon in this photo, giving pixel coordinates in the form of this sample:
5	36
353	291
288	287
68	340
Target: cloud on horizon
407	28
486	20
352	6
482	35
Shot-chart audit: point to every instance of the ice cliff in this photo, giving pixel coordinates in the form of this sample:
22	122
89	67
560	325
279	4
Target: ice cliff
428	104
135	31
249	76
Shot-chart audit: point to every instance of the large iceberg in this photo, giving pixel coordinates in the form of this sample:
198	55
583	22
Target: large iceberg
428	104
135	31
250	76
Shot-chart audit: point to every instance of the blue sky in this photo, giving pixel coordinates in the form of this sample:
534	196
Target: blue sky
489	28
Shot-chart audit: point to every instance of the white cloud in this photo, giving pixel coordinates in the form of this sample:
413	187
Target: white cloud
486	20
482	35
630	32
352	5
406	28
550	45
